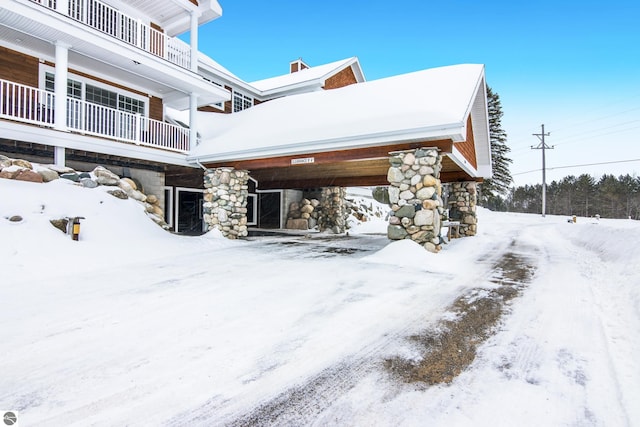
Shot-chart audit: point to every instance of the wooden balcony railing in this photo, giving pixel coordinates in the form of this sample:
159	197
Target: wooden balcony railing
35	106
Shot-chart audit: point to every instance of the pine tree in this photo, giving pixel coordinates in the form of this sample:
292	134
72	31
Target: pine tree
493	190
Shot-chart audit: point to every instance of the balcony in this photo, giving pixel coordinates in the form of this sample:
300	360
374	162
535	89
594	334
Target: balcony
36	106
108	20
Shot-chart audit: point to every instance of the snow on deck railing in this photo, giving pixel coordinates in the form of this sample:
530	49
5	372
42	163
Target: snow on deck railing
109	20
26	104
35	106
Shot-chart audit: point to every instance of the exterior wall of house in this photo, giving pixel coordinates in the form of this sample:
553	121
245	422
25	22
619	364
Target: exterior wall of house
343	78
18	67
468	147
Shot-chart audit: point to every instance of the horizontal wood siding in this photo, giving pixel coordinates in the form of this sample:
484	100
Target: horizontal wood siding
18	67
155	109
343	78
468	147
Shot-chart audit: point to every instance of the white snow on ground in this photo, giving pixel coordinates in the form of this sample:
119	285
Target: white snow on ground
132	325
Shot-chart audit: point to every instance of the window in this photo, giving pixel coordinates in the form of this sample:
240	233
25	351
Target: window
100	95
74	87
218	105
241	102
104	97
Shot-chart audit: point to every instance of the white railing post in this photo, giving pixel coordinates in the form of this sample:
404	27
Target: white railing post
139	34
138	130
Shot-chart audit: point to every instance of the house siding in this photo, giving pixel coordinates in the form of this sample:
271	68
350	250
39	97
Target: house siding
343	78
156	110
18	67
468	147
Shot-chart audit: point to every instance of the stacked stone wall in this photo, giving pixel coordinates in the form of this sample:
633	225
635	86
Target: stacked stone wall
415	196
462	206
225	201
333	212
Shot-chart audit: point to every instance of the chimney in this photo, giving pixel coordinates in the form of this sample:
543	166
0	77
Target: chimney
297	65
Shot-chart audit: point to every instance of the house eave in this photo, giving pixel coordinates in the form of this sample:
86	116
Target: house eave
451	132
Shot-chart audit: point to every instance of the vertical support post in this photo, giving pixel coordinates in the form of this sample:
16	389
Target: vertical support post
415	196
193	38
59	156
193	120
61	76
225	201
543	146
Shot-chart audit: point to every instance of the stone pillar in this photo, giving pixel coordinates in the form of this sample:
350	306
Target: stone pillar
415	196
225	201
462	206
332	213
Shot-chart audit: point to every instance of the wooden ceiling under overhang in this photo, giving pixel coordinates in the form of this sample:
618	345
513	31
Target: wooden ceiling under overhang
344	168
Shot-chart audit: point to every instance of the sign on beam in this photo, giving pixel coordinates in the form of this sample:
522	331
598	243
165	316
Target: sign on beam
303	161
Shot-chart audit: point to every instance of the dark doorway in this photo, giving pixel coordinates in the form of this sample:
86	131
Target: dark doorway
190	212
269	210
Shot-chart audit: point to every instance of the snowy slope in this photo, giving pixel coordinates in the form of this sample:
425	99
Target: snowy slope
133	325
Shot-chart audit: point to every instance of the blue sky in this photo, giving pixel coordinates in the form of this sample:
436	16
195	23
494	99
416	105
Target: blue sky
573	66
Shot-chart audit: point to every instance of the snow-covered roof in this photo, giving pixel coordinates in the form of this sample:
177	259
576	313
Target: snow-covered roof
308	76
420	106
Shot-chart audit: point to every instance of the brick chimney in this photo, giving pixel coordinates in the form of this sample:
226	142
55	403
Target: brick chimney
297	65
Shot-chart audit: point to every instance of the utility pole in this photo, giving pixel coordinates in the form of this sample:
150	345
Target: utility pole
543	146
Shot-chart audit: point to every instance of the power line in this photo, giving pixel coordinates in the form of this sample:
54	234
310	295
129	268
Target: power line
577	166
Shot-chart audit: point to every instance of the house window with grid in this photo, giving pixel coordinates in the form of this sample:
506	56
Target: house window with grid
98	95
241	102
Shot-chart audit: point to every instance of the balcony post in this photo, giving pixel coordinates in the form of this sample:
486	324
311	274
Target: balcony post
61	73
193	122
193	38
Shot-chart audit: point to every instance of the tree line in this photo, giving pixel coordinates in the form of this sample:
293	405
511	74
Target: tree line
584	195
608	196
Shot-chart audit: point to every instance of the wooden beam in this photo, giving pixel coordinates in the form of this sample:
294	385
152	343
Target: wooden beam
346	181
319	158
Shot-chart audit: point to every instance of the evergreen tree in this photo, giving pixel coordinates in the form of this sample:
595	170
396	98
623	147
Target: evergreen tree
493	190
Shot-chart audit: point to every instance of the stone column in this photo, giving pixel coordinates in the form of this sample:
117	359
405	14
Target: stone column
225	201
462	206
415	196
332	213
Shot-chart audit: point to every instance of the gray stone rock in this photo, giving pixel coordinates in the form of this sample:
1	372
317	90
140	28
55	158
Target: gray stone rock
423	217
88	183
406	211
71	176
381	195
394	175
116	192
105	177
396	232
48	175
425	193
60	224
